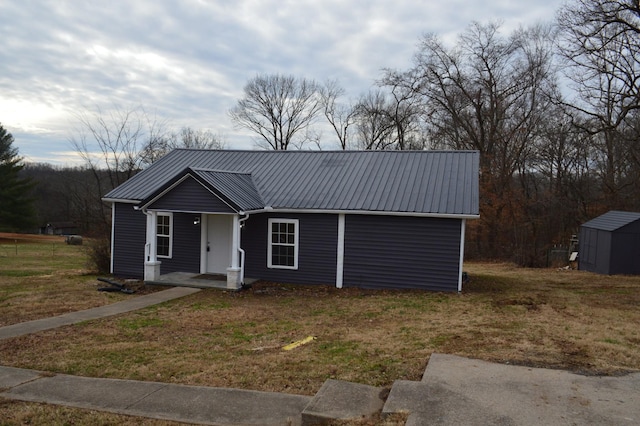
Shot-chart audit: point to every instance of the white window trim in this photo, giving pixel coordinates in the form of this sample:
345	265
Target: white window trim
170	215
296	247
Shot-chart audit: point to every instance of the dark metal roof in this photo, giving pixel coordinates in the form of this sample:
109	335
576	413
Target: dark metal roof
425	182
237	187
612	220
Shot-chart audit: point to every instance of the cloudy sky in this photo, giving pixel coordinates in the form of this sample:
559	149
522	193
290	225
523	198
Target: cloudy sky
186	62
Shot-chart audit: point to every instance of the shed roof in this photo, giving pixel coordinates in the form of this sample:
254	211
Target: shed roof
421	182
612	220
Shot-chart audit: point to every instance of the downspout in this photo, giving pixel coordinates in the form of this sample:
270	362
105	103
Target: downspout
240	224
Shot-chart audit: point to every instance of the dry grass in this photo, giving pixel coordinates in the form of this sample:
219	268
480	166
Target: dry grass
41	276
540	317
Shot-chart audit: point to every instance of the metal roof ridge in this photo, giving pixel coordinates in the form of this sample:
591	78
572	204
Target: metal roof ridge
333	151
200	169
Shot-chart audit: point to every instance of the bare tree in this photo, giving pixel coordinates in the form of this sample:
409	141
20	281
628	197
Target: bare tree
488	93
340	117
600	41
187	137
114	140
374	126
278	108
112	146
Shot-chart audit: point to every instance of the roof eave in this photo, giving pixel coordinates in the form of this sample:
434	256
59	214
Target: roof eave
120	200
367	212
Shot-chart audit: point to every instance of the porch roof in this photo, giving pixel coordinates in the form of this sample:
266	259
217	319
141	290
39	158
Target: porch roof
237	190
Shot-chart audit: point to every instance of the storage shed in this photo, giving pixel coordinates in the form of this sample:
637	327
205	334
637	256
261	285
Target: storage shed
610	244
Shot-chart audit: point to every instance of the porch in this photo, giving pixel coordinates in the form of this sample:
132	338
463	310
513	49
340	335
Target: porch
188	279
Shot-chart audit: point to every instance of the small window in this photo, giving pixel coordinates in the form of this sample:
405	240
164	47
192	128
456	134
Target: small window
283	244
163	235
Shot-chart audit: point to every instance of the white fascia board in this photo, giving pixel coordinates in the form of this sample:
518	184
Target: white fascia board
120	200
190	212
368	212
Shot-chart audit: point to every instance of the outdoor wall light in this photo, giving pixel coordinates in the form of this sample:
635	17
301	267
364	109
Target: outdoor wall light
196	220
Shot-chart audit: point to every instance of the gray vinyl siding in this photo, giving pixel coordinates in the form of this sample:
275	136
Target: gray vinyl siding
384	252
129	238
190	196
186	246
318	235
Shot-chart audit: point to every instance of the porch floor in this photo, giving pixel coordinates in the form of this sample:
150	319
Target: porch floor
188	279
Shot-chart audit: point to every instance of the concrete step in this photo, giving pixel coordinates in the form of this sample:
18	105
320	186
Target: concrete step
339	400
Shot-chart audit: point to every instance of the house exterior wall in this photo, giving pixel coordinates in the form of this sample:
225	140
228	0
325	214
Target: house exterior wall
129	238
384	252
190	196
380	252
186	246
317	243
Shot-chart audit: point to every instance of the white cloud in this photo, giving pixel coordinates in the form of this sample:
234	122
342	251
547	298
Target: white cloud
187	61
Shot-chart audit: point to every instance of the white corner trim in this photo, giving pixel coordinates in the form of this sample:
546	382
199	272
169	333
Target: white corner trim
340	254
113	235
204	235
463	225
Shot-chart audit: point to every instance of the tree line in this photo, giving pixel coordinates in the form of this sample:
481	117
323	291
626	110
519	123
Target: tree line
552	109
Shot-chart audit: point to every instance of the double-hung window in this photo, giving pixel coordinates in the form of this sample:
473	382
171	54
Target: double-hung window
164	234
283	244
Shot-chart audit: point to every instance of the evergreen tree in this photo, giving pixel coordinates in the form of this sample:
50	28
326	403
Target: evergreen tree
16	209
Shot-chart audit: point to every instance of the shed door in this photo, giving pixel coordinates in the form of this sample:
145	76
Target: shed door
219	242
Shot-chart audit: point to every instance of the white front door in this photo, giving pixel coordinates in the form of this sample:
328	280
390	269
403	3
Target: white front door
219	243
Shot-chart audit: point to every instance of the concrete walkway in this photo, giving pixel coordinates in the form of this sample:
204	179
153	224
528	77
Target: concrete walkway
190	404
132	304
453	391
462	391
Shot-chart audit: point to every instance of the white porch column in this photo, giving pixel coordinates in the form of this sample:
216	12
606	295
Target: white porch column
151	263
233	271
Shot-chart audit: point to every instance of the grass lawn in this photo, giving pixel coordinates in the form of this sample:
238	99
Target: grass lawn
539	317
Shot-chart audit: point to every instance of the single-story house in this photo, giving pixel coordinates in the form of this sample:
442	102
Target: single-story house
369	219
610	244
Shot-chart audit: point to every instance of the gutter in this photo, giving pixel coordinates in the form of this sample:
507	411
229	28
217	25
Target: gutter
270	209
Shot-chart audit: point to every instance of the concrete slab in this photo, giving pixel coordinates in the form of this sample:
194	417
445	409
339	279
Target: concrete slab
191	404
459	390
132	304
10	377
188	279
339	400
405	396
222	406
84	392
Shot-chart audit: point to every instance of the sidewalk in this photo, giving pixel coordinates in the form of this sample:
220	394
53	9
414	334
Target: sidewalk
132	304
191	404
